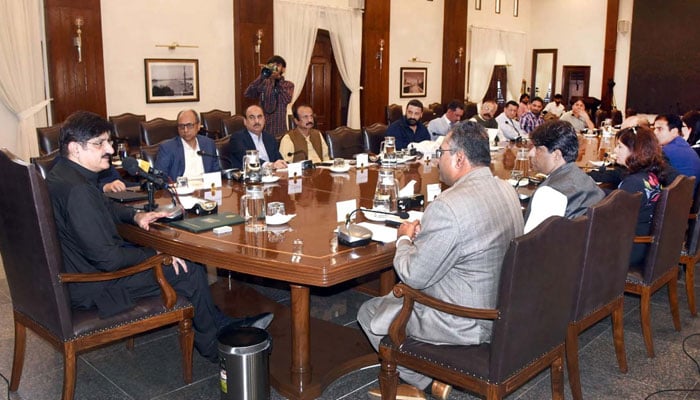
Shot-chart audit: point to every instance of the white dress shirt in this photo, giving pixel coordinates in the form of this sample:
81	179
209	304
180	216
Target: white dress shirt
194	166
439	127
509	129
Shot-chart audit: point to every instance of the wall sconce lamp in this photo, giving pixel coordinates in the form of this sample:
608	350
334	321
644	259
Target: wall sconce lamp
78	38
380	53
258	36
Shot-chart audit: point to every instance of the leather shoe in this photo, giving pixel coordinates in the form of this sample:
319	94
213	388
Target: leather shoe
440	390
404	391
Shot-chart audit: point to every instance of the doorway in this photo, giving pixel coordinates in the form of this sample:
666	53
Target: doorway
576	79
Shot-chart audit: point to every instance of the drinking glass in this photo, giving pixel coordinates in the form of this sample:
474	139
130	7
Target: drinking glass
388	150
275	207
522	162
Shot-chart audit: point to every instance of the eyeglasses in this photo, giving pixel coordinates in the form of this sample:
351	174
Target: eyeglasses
184	127
439	152
101	142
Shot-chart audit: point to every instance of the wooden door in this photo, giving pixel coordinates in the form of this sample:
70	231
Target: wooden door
75	85
576	81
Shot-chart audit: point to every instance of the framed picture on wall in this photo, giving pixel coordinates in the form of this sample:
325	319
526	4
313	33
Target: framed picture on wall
413	82
171	80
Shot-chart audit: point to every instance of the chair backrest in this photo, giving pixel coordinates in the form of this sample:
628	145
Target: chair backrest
668	227
609	239
48	138
290	122
211	120
428	115
232	124
600	117
393	113
31	252
221	145
157	130
127	126
692	239
470	110
535	293
149	153
616	116
373	136
438	109
344	142
44	164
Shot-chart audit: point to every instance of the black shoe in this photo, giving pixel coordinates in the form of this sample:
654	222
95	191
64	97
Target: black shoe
261	321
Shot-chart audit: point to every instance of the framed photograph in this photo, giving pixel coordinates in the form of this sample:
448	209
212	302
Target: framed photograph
414	82
171	80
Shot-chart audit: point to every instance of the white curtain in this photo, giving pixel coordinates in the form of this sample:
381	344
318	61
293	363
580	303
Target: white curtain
513	45
21	69
296	26
485	44
345	28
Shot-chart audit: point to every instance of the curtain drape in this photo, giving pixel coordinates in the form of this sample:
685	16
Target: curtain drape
345	28
513	45
21	69
485	44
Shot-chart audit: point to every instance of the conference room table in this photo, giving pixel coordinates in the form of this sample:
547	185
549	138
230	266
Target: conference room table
307	353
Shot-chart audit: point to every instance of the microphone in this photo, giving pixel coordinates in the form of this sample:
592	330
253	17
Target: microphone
292	154
131	165
353	235
205	154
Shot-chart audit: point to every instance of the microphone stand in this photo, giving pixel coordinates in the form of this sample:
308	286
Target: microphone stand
353	235
151	190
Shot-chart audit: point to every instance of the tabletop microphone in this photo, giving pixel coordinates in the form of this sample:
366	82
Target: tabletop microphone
292	154
131	165
353	235
205	154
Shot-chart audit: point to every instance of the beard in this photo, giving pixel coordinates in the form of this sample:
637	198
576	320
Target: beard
411	121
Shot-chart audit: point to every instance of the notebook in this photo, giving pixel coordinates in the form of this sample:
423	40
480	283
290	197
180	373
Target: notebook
208	222
127	196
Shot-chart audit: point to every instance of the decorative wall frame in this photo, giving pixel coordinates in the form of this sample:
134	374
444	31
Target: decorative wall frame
413	82
171	80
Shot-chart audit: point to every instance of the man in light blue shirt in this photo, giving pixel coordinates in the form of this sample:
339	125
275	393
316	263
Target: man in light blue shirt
439	126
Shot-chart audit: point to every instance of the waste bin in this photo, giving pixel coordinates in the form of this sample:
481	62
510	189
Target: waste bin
244	355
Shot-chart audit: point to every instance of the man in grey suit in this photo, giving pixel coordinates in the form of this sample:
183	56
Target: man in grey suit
454	254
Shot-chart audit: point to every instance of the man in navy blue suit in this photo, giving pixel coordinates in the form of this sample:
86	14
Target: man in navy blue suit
254	138
187	154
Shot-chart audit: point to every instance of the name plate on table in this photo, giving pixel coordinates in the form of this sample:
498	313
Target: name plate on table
208	222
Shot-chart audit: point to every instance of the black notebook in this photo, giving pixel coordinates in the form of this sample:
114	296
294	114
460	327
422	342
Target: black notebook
207	222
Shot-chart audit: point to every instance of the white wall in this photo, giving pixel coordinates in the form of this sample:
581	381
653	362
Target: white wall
622	56
132	28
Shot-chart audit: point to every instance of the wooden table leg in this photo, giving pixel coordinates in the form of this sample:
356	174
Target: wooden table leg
301	364
387	280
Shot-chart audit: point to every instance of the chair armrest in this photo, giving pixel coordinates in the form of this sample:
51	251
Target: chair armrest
643	239
155	263
397	330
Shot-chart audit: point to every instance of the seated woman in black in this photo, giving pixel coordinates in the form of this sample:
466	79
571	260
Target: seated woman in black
638	149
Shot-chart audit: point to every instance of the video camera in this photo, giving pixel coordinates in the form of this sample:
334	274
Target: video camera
268	70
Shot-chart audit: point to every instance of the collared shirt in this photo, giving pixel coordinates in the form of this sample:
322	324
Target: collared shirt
529	121
509	129
401	130
554	109
194	167
439	127
259	146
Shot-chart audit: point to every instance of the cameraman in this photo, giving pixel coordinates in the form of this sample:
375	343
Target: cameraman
275	94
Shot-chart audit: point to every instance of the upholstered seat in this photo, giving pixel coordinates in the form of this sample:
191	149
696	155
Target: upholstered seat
127	127
535	285
48	138
150	153
344	142
157	130
211	121
38	287
690	255
373	137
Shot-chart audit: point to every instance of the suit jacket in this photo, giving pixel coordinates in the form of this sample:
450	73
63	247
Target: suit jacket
241	141
456	257
171	156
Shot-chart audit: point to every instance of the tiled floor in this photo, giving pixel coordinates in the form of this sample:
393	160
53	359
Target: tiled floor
152	371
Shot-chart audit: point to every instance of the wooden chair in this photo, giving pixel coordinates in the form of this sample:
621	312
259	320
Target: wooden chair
211	120
39	286
44	164
150	153
344	142
534	306
48	138
157	130
661	264
393	112
232	124
127	126
373	136
601	286
690	255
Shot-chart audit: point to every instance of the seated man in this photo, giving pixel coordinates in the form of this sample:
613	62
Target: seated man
533	118
578	116
453	254
86	223
254	138
304	142
508	126
567	191
555	107
439	126
486	117
188	154
680	155
409	129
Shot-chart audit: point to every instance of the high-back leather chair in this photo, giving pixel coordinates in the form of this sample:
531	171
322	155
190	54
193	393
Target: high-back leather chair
232	124
38	284
150	153
157	130
127	126
290	122
661	263
211	120
344	142
221	145
393	112
438	109
529	324
48	138
690	255
470	110
373	136
427	116
601	286
44	164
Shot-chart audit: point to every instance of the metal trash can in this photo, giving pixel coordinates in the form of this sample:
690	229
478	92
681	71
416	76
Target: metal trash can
244	356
